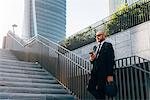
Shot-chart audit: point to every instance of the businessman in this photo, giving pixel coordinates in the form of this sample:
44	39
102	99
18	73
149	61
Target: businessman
102	57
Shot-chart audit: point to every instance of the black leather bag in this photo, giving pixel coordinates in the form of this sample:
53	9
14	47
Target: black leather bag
111	89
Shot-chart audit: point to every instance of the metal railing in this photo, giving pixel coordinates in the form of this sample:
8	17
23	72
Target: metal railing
67	53
56	47
132	74
71	70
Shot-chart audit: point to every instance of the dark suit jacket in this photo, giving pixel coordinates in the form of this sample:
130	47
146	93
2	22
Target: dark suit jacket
103	65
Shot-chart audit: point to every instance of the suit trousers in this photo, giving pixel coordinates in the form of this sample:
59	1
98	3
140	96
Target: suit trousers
96	88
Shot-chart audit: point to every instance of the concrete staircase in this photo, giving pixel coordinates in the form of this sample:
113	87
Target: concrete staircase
27	81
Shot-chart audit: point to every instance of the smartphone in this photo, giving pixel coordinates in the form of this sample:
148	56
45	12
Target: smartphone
91	52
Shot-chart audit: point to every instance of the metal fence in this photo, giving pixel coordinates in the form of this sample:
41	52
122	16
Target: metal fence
132	75
71	70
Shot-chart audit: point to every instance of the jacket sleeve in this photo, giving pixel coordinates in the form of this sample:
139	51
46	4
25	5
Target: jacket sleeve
92	62
110	60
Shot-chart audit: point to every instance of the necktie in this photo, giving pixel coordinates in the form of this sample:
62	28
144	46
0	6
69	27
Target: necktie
98	50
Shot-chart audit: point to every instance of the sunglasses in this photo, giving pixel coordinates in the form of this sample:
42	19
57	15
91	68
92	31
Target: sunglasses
99	35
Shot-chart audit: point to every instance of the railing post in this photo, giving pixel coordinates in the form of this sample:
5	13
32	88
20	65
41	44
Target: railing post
132	80
146	79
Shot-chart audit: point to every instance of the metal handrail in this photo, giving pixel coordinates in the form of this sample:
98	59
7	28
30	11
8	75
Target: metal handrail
62	47
145	71
136	67
12	35
35	38
132	57
30	41
132	78
64	56
25	42
134	63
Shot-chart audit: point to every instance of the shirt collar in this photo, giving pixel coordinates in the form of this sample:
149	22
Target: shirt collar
101	42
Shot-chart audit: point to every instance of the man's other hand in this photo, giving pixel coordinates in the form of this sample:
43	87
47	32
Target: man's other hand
109	78
92	57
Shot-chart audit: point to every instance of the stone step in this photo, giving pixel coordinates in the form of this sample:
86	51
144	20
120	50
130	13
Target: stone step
8	57
22	68
18	63
24	98
7	54
20	75
12	79
20	80
27	96
4	50
30	84
32	90
23	71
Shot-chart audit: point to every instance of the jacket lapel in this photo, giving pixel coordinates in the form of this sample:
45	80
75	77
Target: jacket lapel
102	49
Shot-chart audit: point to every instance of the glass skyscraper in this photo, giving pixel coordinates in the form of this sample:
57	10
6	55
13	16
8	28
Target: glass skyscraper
115	4
46	18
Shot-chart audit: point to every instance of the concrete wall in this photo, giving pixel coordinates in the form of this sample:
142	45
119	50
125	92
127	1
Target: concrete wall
134	41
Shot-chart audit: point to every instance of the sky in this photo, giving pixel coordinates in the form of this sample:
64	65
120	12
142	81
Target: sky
83	13
11	12
79	14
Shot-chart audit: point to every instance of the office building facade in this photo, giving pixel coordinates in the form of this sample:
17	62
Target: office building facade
115	4
46	18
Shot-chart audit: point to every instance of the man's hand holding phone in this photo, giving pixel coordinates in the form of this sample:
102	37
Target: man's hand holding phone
92	55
